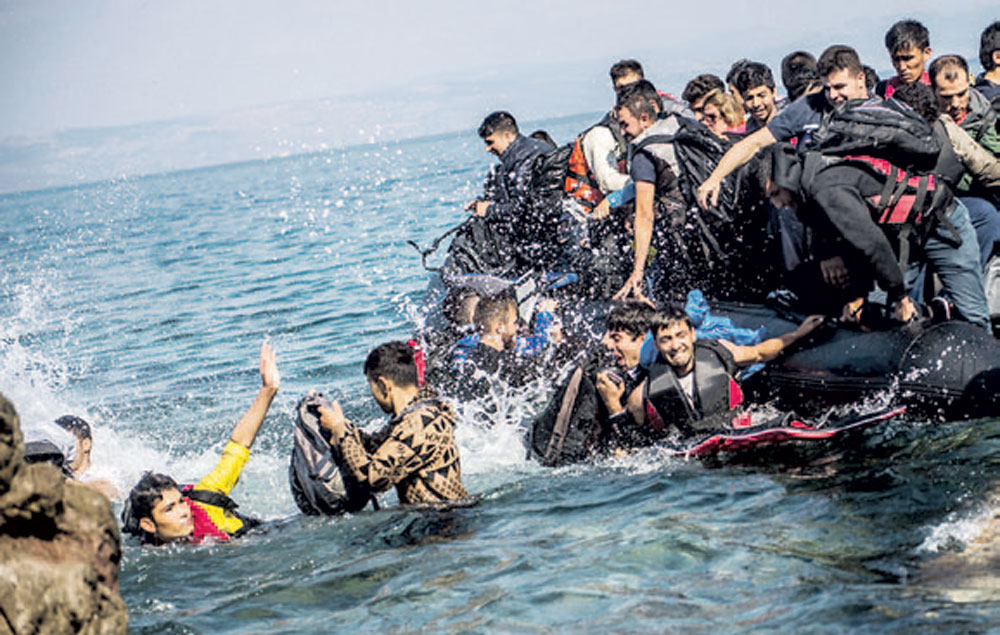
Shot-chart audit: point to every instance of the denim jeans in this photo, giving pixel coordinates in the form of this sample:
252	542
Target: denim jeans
958	267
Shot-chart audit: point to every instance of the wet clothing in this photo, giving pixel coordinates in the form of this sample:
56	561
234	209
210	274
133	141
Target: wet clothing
839	194
419	457
221	479
704	400
508	366
800	119
506	186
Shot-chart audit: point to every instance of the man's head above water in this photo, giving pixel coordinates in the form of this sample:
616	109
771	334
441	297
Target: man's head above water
625	331
674	337
156	511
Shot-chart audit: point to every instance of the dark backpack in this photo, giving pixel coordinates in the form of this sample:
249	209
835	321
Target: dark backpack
314	474
881	128
569	429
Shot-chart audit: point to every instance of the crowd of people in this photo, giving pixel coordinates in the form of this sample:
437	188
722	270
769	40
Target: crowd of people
867	201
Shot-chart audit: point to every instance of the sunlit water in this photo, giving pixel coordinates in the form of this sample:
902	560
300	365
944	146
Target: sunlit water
140	304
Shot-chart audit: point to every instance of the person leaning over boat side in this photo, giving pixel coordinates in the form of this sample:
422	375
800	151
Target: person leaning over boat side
909	46
160	512
420	456
654	171
506	187
691	387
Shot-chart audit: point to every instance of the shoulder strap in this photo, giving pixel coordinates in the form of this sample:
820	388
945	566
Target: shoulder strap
561	425
711	378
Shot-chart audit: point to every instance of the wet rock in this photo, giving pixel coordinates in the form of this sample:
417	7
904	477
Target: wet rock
59	547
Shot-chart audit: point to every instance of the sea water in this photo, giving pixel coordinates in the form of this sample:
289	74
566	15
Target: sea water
141	302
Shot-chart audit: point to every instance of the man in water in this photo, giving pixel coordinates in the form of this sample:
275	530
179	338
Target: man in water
160	512
691	388
625	332
419	457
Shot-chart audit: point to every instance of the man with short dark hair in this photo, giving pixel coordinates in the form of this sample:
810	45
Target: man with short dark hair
909	46
988	82
419	455
654	170
755	86
691	388
624	72
625	332
159	511
731	76
506	188
963	103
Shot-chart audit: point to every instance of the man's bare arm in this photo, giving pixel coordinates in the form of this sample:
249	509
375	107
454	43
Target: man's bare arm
770	349
249	424
708	192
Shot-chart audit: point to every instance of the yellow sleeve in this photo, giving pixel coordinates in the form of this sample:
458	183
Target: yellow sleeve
222	479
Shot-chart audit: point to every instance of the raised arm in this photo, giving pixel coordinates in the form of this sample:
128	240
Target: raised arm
708	192
249	424
769	349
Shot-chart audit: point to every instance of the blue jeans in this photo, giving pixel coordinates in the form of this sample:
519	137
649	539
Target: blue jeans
958	267
986	221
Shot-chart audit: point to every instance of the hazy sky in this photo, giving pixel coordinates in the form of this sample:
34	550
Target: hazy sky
84	63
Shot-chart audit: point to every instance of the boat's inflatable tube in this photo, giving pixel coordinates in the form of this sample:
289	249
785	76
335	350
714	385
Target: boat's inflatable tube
757	437
951	369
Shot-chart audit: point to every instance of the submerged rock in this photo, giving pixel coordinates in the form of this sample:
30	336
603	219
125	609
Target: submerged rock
59	547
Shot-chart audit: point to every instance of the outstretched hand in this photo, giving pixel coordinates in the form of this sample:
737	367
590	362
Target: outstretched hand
269	367
708	193
633	287
810	324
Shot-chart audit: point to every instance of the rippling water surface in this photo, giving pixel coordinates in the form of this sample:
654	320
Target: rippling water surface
141	303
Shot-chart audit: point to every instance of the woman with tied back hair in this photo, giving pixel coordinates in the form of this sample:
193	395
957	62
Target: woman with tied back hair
722	115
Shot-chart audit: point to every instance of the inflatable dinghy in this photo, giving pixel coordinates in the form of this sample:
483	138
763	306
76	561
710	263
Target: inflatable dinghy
757	437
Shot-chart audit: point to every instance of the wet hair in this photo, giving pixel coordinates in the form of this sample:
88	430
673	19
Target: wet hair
760	169
499	121
75	425
633	318
454	303
905	34
798	74
544	137
837	58
640	98
989	42
623	68
668	316
701	86
393	361
731	113
920	97
753	75
871	77
141	501
493	309
953	67
735	70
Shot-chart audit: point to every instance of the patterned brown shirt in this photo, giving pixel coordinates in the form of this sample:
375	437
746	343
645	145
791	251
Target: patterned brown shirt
419	457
